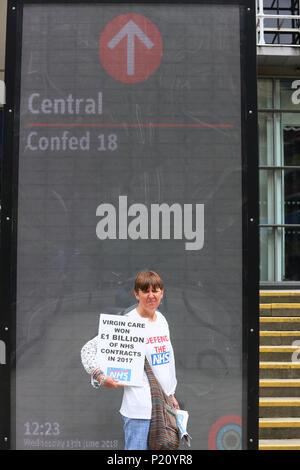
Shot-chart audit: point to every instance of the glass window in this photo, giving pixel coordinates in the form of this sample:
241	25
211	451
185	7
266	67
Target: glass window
265	93
279	181
266	201
266	243
291	238
289	94
265	126
291	138
291	142
292	196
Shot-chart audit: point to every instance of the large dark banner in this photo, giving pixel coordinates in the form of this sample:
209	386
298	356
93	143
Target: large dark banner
130	158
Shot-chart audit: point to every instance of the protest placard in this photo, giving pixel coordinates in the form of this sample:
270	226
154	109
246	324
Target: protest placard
121	348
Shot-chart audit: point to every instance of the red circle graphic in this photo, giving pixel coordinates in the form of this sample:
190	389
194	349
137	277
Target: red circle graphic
225	420
130	48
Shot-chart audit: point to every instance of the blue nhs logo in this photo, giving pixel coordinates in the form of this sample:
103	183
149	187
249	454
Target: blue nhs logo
120	374
161	358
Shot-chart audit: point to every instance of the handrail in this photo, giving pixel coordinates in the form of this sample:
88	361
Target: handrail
261	29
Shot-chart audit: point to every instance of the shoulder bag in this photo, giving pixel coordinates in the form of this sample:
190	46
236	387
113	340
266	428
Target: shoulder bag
163	432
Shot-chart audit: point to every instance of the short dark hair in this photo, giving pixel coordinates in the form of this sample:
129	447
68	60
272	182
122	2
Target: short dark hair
147	279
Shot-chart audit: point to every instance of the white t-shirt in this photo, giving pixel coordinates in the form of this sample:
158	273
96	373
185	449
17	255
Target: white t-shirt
137	401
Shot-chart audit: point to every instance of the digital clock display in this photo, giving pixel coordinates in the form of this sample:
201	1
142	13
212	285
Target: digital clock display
36	429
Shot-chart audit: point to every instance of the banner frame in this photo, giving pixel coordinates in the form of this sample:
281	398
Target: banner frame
250	217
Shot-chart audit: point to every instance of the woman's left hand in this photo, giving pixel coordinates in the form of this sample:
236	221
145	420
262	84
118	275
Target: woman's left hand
175	403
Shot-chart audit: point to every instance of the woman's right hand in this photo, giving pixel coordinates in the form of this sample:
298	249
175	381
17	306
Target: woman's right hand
109	382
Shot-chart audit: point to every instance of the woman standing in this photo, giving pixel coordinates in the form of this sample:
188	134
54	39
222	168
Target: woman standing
137	404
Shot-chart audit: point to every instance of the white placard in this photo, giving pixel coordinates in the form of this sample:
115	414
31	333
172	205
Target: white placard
121	348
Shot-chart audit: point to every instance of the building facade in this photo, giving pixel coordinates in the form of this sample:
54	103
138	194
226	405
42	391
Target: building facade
278	51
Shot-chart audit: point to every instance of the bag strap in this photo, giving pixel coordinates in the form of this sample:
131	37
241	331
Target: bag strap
154	383
147	368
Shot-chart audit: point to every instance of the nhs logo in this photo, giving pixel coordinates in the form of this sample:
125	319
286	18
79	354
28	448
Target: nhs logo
161	358
120	374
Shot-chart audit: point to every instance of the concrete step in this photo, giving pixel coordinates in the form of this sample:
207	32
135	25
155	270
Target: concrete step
279	323
278	338
279	309
279	370
279	444
279	388
279	384
279	296
279	407
279	428
280	353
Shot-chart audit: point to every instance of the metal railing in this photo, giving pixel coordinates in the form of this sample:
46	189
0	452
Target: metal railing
279	29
